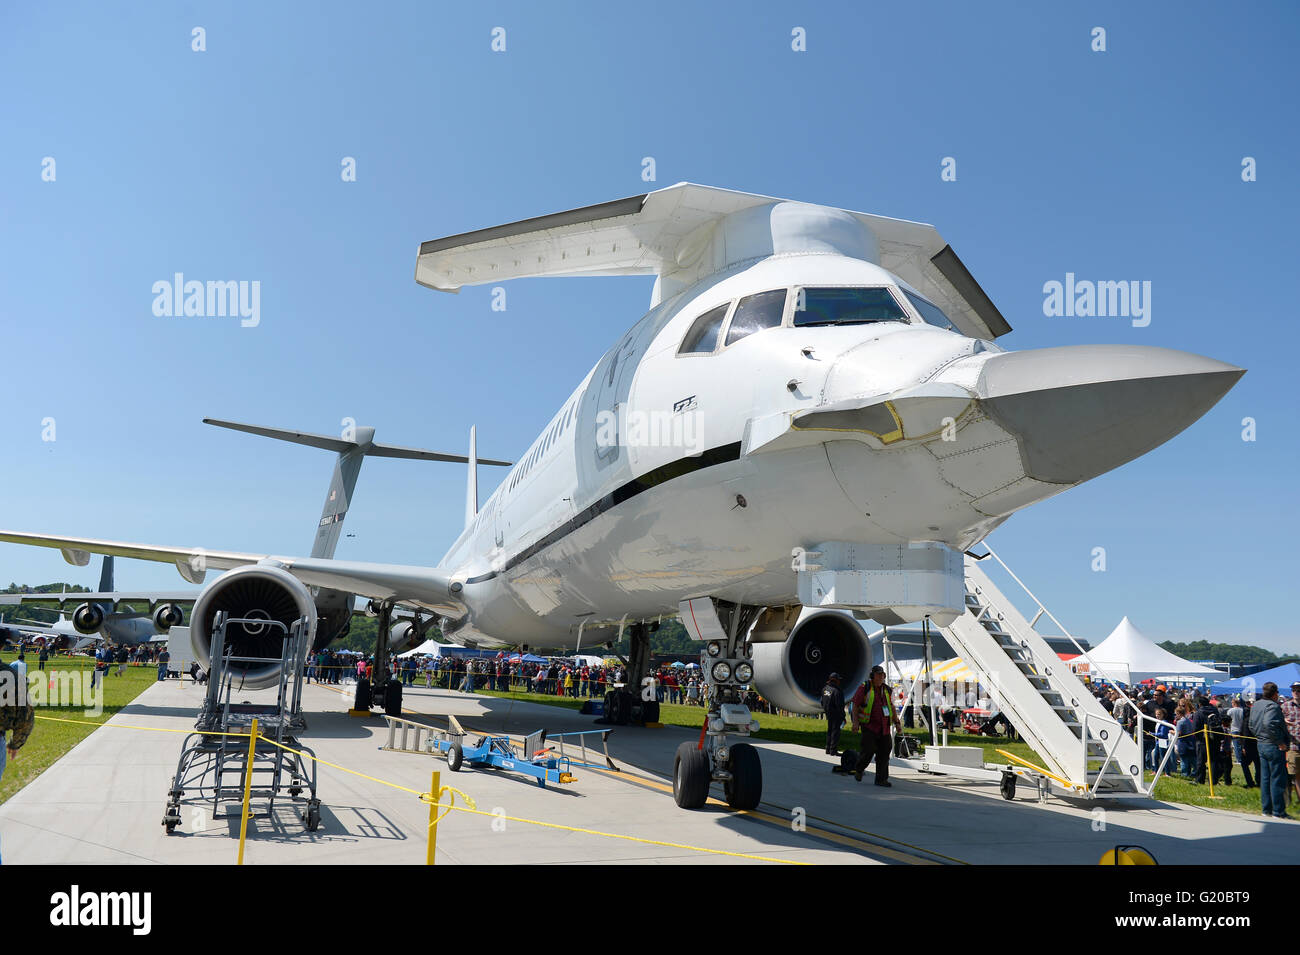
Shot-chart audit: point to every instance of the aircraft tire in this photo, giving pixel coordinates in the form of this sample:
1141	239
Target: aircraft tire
745	787
364	698
691	776
650	711
393	698
616	708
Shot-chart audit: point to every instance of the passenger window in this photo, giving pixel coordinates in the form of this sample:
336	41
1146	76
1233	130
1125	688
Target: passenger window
755	313
703	336
845	306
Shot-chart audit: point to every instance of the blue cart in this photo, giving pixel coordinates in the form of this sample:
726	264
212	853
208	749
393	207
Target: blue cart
542	756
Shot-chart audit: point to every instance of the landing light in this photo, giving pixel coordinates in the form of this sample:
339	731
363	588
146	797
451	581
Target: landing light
714	648
721	671
744	672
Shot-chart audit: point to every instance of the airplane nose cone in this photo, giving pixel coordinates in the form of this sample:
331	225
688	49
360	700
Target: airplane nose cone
1081	410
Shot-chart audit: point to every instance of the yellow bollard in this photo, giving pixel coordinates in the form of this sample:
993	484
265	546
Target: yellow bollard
1209	765
435	788
248	785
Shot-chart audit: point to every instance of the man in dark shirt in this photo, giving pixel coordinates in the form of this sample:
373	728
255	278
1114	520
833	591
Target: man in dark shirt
833	707
875	708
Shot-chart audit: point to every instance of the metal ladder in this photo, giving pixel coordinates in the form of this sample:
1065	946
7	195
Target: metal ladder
1084	747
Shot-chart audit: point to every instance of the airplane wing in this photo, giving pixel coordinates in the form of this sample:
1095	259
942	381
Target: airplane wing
426	587
62	599
674	233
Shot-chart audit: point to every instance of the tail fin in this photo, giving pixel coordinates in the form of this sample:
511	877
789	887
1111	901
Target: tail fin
471	489
353	446
106	576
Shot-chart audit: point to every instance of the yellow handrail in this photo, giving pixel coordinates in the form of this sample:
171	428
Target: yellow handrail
1025	762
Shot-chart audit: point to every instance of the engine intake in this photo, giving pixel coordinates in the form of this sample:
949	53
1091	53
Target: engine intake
167	616
254	592
88	618
791	674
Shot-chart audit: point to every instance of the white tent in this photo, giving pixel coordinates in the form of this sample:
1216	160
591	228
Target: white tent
431	647
1130	657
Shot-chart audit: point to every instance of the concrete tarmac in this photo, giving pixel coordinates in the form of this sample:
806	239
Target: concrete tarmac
103	803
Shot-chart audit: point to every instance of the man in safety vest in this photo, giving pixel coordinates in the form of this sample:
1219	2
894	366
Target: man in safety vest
873	704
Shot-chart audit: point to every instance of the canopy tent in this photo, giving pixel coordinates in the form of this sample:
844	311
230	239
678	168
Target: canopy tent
526	658
436	649
1128	656
430	647
945	671
1250	684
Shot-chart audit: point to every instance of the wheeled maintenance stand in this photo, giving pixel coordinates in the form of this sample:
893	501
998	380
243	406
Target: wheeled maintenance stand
213	765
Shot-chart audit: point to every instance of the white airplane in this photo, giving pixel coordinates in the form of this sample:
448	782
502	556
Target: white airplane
811	417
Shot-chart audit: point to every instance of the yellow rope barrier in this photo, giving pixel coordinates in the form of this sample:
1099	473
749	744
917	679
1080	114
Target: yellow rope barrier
126	726
428	797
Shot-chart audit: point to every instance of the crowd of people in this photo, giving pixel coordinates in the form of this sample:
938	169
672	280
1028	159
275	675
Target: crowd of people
1210	734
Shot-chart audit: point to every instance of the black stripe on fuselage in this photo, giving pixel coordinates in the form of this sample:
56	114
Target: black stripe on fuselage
651	479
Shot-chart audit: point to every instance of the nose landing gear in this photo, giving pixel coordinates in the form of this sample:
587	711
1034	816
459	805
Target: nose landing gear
728	668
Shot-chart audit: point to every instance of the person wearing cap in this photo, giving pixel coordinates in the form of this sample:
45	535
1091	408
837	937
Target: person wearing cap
1291	713
873	705
833	707
1268	726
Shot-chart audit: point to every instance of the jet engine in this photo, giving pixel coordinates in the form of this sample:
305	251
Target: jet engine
88	618
403	636
791	673
166	616
254	593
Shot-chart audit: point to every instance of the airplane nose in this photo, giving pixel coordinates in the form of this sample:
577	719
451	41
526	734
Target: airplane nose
1081	410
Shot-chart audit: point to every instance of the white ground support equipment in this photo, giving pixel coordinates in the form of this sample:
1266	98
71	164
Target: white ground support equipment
213	765
1087	752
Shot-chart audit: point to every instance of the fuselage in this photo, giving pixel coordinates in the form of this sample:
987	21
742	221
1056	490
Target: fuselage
645	487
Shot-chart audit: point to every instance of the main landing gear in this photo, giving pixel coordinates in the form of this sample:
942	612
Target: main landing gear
727	667
624	705
386	689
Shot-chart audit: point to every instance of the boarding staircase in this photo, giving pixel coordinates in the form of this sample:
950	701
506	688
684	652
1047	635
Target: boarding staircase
1087	752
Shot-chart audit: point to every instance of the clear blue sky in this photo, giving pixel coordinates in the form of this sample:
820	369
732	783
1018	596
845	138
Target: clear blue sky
225	164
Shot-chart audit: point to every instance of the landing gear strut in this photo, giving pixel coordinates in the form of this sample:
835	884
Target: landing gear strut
382	689
727	667
624	705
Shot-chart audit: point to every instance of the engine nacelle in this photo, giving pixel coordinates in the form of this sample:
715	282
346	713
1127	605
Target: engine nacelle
257	592
166	616
791	674
88	618
403	636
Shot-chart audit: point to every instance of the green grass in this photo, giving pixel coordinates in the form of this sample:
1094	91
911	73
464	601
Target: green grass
50	739
1235	797
811	732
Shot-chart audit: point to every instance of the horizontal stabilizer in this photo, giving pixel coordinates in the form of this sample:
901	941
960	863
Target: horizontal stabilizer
342	445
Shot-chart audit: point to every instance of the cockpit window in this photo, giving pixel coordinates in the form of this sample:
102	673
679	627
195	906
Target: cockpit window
755	313
930	313
703	336
845	306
